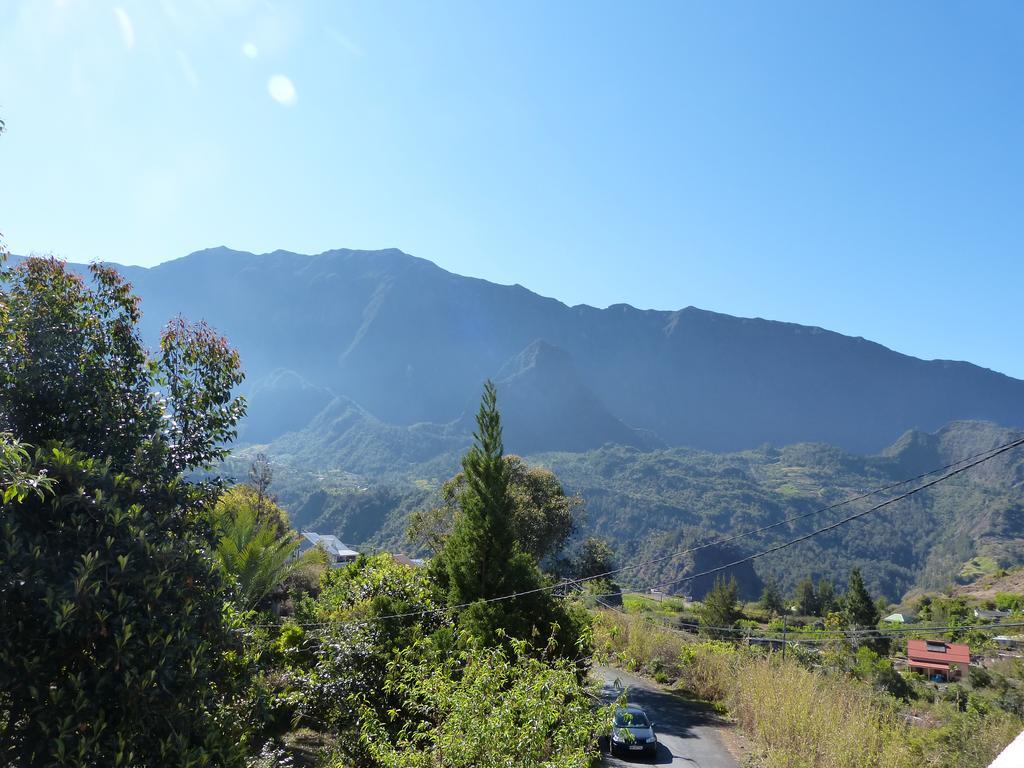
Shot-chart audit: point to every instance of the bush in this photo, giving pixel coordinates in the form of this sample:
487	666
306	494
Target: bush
482	706
113	636
1009	601
979	677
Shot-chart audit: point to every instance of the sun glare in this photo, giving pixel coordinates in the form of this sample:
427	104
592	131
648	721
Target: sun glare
282	90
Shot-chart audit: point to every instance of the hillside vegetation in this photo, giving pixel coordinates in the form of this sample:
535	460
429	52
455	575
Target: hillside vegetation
654	502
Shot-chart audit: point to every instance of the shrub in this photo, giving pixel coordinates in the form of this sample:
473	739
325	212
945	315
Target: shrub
465	709
1009	601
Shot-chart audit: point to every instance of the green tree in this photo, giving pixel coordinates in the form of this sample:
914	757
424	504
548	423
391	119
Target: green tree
806	598
771	597
543	517
594	557
481	707
110	649
719	609
250	547
825	595
353	646
482	559
110	604
260	476
73	368
859	608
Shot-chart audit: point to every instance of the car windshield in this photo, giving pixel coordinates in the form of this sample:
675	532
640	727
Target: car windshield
630	720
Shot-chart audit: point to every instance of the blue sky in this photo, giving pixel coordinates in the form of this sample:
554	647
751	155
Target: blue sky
856	166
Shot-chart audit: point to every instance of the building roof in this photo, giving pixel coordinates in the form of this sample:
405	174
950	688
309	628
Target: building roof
899	618
938	652
982	613
332	544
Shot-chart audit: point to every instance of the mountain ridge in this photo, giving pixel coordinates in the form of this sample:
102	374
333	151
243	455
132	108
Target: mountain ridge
411	342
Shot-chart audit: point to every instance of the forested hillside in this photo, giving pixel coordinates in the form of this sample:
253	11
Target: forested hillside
650	503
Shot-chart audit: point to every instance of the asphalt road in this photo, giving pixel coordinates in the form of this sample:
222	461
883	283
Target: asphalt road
687	735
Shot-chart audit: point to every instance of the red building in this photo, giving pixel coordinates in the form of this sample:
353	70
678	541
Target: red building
936	657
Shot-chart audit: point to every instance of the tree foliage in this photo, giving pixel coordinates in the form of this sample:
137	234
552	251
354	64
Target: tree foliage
250	547
542	516
593	557
73	368
771	597
112	640
719	610
482	560
859	608
483	706
110	623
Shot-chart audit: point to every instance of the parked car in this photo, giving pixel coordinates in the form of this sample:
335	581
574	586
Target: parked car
632	732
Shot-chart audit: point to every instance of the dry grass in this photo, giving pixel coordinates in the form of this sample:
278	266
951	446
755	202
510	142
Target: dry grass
640	644
803	718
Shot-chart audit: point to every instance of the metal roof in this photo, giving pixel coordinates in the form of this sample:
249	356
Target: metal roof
938	652
332	544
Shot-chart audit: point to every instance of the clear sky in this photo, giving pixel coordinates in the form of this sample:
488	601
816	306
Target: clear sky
856	166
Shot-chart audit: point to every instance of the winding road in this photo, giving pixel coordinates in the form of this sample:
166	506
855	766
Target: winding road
687	735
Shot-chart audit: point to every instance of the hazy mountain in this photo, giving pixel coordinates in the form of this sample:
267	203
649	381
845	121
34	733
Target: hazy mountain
410	343
546	406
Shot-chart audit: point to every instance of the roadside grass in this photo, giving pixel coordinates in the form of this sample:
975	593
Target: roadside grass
639	643
667	605
799	716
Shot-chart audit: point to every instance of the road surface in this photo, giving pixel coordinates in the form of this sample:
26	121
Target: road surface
687	735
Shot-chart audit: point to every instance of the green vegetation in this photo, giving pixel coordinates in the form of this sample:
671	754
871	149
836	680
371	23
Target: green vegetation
541	516
650	503
142	611
484	706
254	547
978	566
152	617
858	607
114	648
482	559
718	612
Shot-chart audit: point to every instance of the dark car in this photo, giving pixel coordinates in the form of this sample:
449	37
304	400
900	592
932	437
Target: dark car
632	733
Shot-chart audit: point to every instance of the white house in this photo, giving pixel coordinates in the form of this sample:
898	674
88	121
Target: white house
338	553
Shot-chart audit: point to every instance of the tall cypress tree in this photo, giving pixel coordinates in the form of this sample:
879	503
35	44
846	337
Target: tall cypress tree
860	609
481	559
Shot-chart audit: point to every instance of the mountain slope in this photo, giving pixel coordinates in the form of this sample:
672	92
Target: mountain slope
656	502
547	407
411	343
